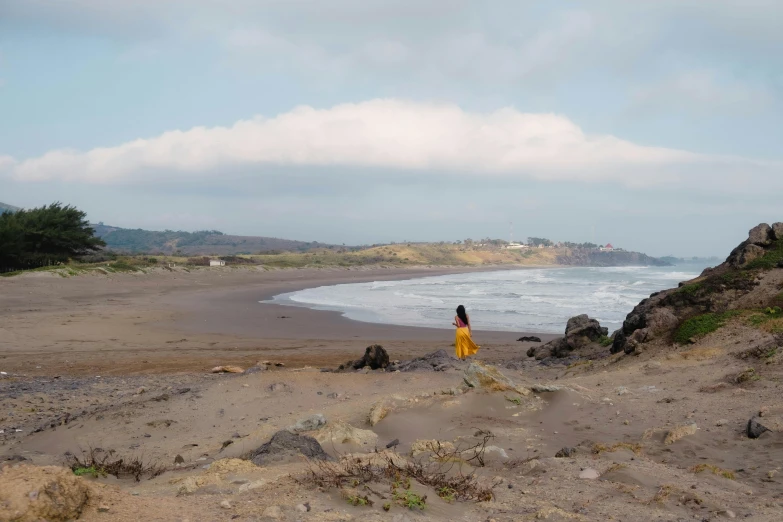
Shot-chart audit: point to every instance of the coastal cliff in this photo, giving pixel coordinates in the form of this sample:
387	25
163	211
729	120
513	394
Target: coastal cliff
603	259
745	290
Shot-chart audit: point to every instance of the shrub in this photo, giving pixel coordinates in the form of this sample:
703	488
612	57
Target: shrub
701	325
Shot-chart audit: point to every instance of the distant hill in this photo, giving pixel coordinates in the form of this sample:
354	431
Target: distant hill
5	207
704	261
204	242
592	257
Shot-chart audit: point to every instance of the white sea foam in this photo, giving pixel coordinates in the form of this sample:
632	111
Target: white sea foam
536	300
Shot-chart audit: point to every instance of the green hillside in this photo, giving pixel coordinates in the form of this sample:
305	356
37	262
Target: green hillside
204	242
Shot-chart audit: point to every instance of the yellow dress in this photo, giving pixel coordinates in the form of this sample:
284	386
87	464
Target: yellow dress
464	344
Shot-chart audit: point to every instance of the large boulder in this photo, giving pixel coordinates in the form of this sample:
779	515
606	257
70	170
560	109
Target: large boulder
32	493
761	235
777	231
583	330
580	331
285	446
752	248
375	358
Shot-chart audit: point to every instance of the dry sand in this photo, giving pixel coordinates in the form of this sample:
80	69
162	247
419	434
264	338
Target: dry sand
152	338
188	321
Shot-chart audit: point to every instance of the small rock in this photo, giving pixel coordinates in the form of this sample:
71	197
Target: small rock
755	429
279	364
722	422
311	423
227	369
250	486
621	390
589	474
225	504
103	509
273	512
679	432
303	508
179	460
728	513
565	453
392	444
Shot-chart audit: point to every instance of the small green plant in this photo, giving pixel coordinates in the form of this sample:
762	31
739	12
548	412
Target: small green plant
92	471
411	500
691	289
448	494
121	266
747	375
702	325
356	500
605	341
387	506
515	400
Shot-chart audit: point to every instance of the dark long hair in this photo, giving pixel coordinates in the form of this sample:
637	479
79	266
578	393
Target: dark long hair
462	315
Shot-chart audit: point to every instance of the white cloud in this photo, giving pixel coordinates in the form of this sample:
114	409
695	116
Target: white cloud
392	134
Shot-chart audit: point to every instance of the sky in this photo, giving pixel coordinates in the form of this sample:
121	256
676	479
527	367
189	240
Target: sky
653	125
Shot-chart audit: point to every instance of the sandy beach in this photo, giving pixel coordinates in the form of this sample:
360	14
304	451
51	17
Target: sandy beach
121	363
190	321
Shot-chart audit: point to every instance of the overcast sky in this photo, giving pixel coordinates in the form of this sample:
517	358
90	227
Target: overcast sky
654	125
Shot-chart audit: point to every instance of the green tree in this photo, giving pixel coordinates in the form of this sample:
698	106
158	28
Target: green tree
536	241
46	235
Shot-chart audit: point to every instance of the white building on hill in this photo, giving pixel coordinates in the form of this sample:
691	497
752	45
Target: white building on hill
217	262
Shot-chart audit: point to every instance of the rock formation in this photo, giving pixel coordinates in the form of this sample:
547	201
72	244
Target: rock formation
580	332
744	281
285	445
375	358
436	361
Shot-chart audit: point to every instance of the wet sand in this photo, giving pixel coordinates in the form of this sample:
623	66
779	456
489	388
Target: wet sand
177	321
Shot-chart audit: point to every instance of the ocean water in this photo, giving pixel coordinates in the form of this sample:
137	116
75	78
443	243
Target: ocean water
529	300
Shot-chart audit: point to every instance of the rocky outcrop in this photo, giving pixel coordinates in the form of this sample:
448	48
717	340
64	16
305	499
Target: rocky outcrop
777	231
729	286
759	239
580	331
285	446
375	358
436	361
580	257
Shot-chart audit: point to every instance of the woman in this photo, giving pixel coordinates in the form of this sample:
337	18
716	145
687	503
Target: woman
464	344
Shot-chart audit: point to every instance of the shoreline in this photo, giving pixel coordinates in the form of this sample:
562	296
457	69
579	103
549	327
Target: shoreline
169	322
237	308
